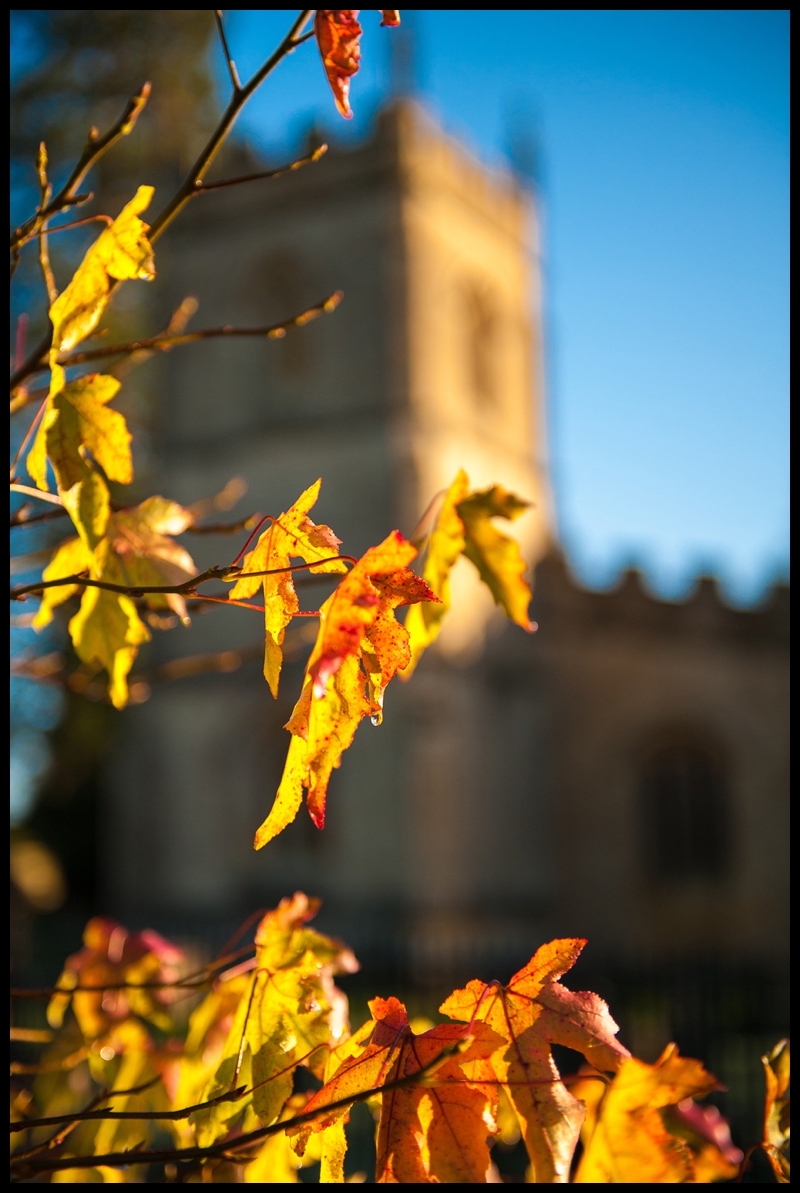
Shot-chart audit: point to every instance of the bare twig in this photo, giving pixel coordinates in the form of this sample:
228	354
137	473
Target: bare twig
90	219
237	86
44	257
303	161
163	343
186	191
94	149
123	1159
185	589
234	1095
240	96
53	498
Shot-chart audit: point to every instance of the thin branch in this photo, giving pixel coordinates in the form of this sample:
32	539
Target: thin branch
90	219
163	343
185	589
188	189
237	86
94	149
123	1159
185	983
234	1095
44	256
303	161
27	437
53	498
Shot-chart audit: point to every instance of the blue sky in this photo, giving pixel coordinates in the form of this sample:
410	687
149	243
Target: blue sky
663	166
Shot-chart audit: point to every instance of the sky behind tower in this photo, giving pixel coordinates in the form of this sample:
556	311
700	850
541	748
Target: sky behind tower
661	160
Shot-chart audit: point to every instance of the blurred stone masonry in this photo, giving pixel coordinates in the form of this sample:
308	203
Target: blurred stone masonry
621	775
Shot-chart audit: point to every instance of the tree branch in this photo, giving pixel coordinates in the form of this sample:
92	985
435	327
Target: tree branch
185	589
303	161
123	1159
237	86
187	190
94	149
239	98
163	343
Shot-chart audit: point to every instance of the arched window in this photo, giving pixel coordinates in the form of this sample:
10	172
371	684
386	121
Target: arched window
684	812
480	325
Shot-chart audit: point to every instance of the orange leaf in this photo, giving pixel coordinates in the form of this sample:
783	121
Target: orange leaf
357	624
429	1132
293	535
391	16
338	33
631	1142
776	1110
531	1013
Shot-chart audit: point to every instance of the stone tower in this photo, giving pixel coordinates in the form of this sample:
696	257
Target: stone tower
432	363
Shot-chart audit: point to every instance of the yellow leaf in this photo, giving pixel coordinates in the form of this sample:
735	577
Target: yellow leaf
275	1164
495	555
107	630
78	419
120	251
776	1110
293	535
290	793
630	1142
71	559
89	506
334	1149
424	620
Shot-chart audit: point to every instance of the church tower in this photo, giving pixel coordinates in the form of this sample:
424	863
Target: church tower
431	363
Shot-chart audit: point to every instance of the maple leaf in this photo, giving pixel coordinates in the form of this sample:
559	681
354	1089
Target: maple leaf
292	535
445	543
776	1110
338	35
135	551
631	1142
495	555
288	1013
77	419
121	251
530	1014
333	701
434	1131
111	956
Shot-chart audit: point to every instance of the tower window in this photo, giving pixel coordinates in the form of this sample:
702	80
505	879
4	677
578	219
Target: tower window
684	813
480	333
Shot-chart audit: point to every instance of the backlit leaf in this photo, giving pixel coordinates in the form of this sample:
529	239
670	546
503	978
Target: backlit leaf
293	535
357	623
630	1142
432	1131
338	36
79	418
495	555
530	1014
288	1014
89	505
71	559
446	542
120	251
776	1110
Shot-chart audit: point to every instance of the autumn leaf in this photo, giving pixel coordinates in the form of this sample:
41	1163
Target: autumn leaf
495	555
111	956
288	1014
530	1014
338	34
445	543
135	551
357	623
121	251
776	1110
431	1131
391	17
631	1142
292	535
